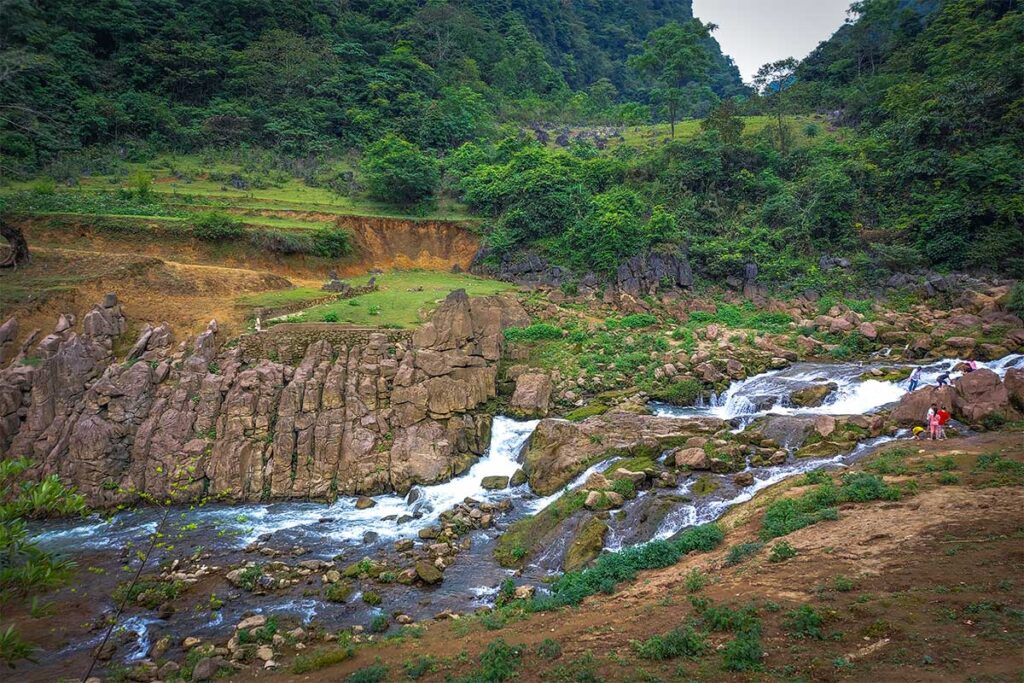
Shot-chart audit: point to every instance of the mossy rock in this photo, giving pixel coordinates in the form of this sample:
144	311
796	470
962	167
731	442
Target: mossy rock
887	374
518	542
824	449
704	485
338	591
812	396
586	545
586	411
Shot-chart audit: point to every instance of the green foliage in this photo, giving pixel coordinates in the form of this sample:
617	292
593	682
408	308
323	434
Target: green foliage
250	576
781	552
611	569
624	487
679	642
372	598
215	226
379	623
397	172
805	622
695	580
535	332
316	660
725	120
742	551
330	317
378	673
419	667
636	321
332	242
549	649
744	653
1016	302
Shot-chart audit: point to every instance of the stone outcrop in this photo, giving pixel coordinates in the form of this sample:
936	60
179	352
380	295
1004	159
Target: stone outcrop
559	450
532	396
971	398
183	421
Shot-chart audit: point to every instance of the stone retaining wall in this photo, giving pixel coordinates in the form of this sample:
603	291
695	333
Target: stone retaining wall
287	342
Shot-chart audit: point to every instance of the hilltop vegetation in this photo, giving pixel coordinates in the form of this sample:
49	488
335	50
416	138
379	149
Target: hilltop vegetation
553	127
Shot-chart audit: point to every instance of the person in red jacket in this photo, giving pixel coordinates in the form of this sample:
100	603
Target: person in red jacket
943	416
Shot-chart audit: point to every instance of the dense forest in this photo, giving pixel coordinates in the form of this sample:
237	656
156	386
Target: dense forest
918	162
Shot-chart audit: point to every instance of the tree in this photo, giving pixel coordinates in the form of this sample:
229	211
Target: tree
674	56
726	121
772	80
396	171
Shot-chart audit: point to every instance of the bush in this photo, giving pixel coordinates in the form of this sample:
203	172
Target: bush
379	623
378	673
396	171
636	321
535	332
372	598
695	580
332	242
805	622
742	551
498	662
549	649
744	653
781	552
216	225
679	642
1016	303
330	317
338	591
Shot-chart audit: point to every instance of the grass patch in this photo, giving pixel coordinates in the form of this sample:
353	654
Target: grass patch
403	298
805	622
787	515
679	642
320	659
742	551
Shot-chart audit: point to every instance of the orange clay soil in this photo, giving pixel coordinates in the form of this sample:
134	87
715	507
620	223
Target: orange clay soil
935	592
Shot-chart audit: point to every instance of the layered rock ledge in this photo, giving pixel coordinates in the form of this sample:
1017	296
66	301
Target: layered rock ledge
183	421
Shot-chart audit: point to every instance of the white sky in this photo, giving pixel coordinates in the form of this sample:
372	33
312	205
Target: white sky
754	32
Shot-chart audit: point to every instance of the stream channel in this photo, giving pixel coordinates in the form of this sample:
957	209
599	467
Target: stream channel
104	543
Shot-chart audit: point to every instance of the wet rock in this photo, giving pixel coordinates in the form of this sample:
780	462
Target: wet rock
597	482
518	478
190	642
691	458
494	483
255	621
370	537
586	545
744	479
404	545
603	500
363	503
635	477
813	396
525	592
207	667
559	450
428	573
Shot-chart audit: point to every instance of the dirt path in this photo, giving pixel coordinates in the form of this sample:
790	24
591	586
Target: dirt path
930	587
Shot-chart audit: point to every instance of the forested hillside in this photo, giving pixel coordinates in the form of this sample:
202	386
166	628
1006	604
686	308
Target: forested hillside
311	76
896	145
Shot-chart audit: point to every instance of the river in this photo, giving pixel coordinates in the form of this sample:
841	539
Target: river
104	544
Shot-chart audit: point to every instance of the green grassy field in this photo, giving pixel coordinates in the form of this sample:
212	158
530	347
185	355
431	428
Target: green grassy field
403	299
200	182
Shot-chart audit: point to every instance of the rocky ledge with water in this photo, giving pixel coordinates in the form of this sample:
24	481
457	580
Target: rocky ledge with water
430	501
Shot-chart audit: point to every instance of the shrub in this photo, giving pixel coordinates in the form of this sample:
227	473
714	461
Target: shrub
695	580
624	487
743	653
679	642
681	393
742	551
397	171
499	661
338	591
330	317
843	584
419	667
332	242
549	649
1016	303
216	225
804	622
370	674
372	598
535	332
948	478
379	623
724	618
44	186
781	552
637	320
250	576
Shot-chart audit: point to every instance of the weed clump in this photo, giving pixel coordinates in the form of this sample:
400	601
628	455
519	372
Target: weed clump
679	642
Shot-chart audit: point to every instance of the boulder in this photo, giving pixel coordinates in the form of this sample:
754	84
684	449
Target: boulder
744	479
1014	383
363	503
586	545
518	478
532	395
428	573
596	482
635	477
812	396
691	458
559	450
980	394
913	407
494	483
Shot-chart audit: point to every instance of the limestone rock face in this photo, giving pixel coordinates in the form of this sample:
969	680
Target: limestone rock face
366	417
559	450
532	396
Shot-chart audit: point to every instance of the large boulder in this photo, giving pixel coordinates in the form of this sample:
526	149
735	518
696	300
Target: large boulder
559	450
532	396
980	394
1014	382
913	407
812	396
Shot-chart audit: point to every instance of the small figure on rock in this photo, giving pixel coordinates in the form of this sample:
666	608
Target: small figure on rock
915	379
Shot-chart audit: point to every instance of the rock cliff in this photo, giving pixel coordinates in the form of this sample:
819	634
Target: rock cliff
189	420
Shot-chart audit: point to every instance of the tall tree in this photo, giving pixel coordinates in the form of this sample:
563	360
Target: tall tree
674	56
772	80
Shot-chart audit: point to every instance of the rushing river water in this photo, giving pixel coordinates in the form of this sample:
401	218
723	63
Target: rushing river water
340	530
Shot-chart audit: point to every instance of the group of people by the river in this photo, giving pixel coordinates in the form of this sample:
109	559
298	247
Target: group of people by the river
937	417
